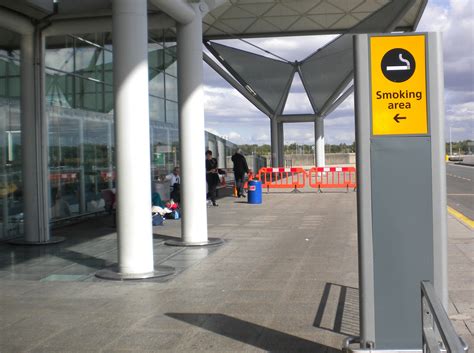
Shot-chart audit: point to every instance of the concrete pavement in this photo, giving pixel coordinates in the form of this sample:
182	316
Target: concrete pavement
284	281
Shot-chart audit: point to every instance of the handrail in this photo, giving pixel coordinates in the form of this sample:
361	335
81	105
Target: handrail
444	327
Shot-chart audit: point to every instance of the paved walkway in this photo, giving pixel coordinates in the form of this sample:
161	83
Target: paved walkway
285	281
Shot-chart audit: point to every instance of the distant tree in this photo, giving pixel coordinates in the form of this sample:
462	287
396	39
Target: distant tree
460	147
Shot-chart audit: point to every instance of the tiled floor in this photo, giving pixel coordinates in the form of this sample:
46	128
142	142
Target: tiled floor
285	280
88	247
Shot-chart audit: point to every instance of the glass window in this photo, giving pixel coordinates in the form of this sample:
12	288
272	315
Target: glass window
171	88
159	150
174	143
14	86
3	68
109	78
96	162
13	68
89	95
157	109
157	85
11	206
171	113
64	162
85	58
3	87
79	89
60	59
108	102
171	61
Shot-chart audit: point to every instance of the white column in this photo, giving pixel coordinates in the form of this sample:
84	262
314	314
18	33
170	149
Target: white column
319	142
191	132
274	142
132	136
34	142
110	160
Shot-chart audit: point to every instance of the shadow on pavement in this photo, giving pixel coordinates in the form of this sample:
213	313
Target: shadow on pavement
252	334
344	319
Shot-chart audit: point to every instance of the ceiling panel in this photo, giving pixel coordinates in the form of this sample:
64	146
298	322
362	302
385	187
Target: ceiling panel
312	17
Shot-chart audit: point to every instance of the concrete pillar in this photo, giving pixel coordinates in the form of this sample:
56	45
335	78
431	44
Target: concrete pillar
281	145
110	160
221	153
319	142
274	143
132	136
82	175
34	143
191	134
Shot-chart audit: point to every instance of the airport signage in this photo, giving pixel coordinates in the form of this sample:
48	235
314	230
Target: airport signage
401	185
398	85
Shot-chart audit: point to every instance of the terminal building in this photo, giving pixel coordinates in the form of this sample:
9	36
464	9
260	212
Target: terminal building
79	108
100	94
106	96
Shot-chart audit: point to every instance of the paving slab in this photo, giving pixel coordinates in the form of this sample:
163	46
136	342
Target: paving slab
285	280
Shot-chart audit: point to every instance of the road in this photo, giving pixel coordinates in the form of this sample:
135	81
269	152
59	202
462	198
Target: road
460	186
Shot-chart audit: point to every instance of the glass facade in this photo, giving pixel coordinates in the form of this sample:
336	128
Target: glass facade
79	108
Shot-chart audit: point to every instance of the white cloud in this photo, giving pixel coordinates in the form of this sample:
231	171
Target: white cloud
261	138
339	121
227	102
461	113
298	103
234	136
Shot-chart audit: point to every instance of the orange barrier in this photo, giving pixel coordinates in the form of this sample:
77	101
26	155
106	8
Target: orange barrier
282	178
64	177
332	177
250	177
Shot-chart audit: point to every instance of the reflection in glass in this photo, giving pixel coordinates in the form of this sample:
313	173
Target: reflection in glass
79	106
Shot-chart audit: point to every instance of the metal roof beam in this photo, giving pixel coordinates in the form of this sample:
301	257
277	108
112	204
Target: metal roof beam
337	102
100	24
234	83
296	118
16	23
179	10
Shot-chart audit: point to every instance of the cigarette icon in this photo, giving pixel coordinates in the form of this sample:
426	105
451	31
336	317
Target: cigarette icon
400	67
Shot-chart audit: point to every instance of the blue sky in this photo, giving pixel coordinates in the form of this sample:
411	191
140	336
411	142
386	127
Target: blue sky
229	114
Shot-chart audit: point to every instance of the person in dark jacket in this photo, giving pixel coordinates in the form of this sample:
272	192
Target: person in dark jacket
240	168
212	177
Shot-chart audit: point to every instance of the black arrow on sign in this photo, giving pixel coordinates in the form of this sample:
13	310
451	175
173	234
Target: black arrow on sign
397	118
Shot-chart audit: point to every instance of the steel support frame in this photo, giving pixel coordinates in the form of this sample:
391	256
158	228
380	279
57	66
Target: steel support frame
236	84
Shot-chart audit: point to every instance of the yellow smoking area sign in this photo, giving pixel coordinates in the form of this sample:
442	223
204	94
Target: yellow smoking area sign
398	85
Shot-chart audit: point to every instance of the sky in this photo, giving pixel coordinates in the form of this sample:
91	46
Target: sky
230	115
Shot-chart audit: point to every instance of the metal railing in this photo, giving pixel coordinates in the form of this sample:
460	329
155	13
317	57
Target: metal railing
438	333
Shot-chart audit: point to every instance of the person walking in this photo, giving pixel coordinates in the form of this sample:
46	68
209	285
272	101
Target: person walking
240	169
212	177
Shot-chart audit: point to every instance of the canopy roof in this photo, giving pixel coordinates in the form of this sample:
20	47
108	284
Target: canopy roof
326	74
237	18
270	18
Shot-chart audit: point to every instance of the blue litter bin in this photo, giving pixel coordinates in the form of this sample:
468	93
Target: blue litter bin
255	192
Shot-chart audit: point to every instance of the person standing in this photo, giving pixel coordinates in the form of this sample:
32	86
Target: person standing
240	169
212	177
175	185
